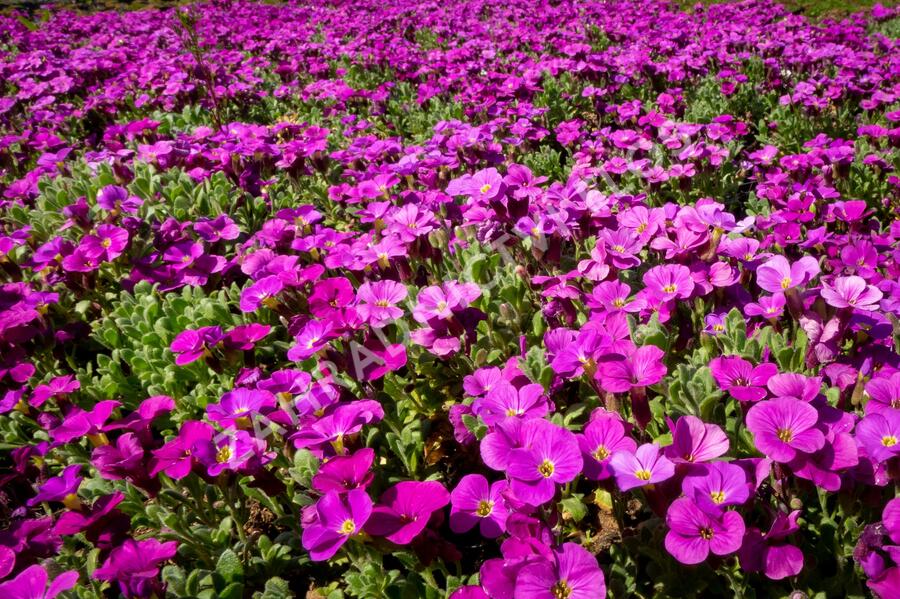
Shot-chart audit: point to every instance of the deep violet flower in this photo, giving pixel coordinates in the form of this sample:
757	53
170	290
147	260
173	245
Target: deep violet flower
31	583
740	378
572	573
783	428
403	510
135	566
475	501
694	441
261	293
191	344
602	438
337	518
551	457
777	275
237	407
646	466
770	553
884	393
851	292
694	533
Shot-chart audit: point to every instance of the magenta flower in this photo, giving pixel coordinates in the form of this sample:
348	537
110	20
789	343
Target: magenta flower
334	427
377	302
314	336
669	281
237	407
851	292
768	306
403	510
337	518
646	466
552	457
345	473
579	356
474	501
79	423
794	386
482	381
717	484
572	573
770	553
504	400
777	275
644	366
694	441
31	583
176	457
135	566
244	336
694	533
236	451
190	345
602	438
879	434
740	378
109	242
783	428
62	488
261	293
113	198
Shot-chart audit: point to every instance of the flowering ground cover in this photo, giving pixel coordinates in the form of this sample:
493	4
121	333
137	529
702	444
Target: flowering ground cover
401	298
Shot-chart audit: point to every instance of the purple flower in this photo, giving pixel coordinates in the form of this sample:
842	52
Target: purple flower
879	434
314	336
262	293
783	428
669	281
777	275
646	466
851	292
62	488
694	533
113	198
694	441
237	451
403	510
572	573
771	554
717	484
31	583
190	345
794	386
768	306
504	400
337	518
345	473
377	302
552	457
475	501
644	366
79	423
602	438
176	457
238	406
135	566
108	243
884	393
740	378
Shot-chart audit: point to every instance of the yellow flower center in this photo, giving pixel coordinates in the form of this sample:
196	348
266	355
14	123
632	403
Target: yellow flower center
382	303
717	497
601	453
223	455
642	474
785	434
889	440
619	248
485	188
618	302
561	590
485	508
670	288
106	242
785	282
347	527
706	533
546	468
